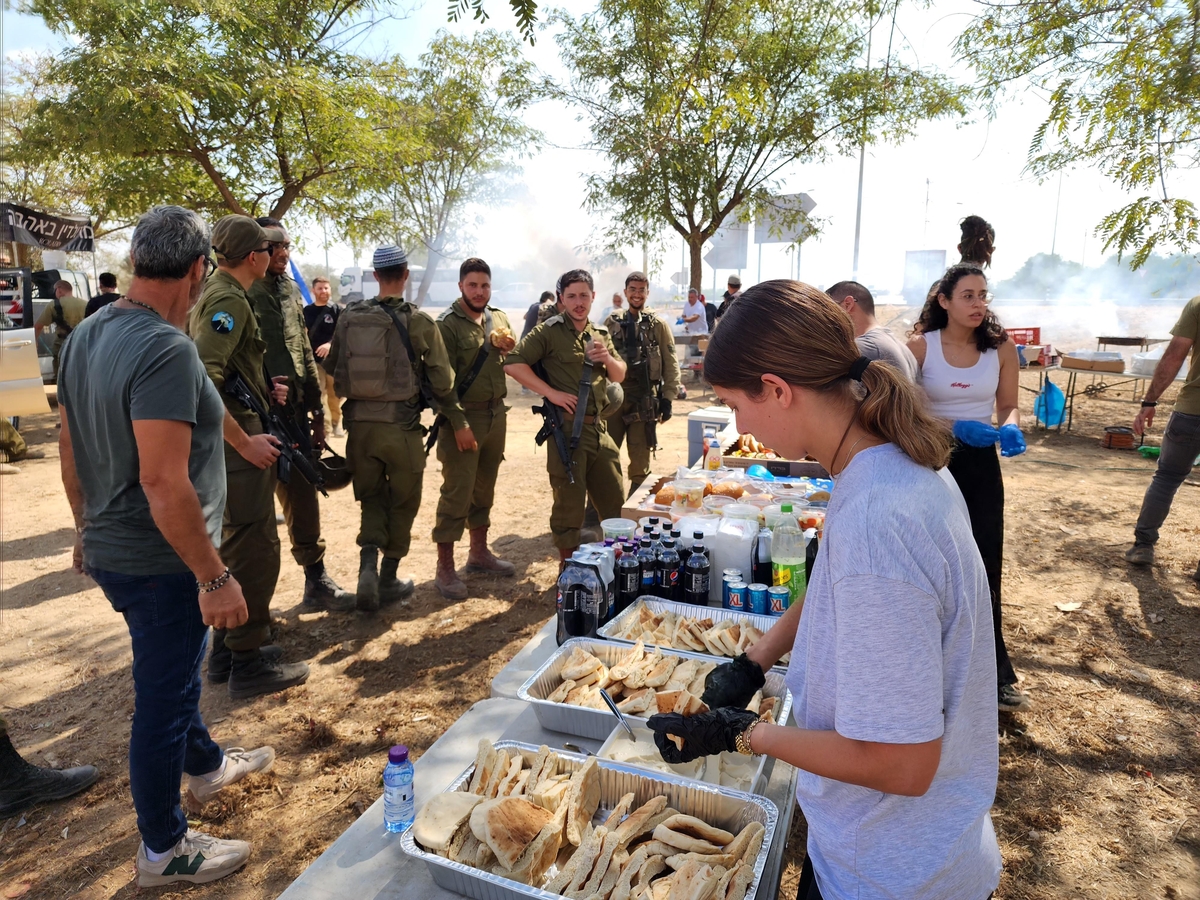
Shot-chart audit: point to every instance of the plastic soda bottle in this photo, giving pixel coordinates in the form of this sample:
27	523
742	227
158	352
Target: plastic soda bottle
787	555
580	595
399	802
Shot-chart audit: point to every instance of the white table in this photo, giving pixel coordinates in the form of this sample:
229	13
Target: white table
366	862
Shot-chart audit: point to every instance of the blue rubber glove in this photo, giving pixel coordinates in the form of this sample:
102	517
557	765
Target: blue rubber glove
975	434
1012	442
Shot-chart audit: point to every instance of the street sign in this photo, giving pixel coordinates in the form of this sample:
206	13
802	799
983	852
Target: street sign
680	277
783	221
729	246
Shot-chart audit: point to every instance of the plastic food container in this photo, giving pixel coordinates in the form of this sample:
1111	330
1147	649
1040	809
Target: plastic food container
715	503
689	496
618	529
746	511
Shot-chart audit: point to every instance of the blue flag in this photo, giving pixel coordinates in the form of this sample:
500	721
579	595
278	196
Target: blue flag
300	281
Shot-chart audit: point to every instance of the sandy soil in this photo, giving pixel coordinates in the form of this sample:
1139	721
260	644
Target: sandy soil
1098	793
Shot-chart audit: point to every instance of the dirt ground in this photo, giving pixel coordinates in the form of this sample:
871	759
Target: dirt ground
1098	793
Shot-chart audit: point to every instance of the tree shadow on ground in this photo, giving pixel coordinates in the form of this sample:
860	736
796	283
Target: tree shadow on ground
38	546
49	586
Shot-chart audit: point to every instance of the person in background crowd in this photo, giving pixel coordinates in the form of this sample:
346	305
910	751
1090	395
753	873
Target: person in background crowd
733	290
1181	440
533	314
561	344
278	308
108	294
645	343
65	311
887	761
398	356
549	308
320	318
618	303
228	340
147	491
969	369
710	313
23	784
977	243
695	316
477	336
874	341
13	447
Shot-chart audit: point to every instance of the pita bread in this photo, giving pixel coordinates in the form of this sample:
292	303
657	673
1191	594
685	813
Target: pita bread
583	799
466	850
628	662
600	868
559	694
658	848
635	823
530	868
504	785
637	702
694	881
619	812
485	859
483	766
683	675
696	688
660	674
587	853
684	842
518	786
598	676
724	860
658	890
755	701
615	868
578	664
566	874
551	793
441	816
508	825
740	882
747	843
629	869
535	767
499	768
692	827
723	882
666	700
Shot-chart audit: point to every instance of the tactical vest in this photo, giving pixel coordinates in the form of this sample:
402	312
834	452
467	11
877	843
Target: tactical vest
646	339
373	364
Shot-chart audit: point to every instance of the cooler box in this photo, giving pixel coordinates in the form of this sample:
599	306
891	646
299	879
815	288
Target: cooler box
715	419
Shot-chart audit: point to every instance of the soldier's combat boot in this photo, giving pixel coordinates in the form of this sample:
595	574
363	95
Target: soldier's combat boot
220	661
447	582
322	592
23	784
368	578
481	559
253	674
392	588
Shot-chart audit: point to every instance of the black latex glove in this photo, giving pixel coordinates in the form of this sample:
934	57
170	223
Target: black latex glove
664	409
704	734
733	684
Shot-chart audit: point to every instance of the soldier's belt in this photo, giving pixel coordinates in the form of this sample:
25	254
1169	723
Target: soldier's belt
481	405
587	420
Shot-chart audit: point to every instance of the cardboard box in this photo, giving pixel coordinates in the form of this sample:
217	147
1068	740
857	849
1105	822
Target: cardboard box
1093	365
786	468
1025	335
643	496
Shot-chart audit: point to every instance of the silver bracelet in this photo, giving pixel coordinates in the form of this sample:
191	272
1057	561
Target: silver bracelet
207	587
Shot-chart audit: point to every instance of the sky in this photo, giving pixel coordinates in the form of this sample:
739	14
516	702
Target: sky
914	194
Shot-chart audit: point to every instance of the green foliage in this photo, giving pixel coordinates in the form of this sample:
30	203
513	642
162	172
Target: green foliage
1124	86
447	139
248	106
699	104
524	10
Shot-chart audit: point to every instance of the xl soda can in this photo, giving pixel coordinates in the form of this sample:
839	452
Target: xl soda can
726	581
737	596
759	604
778	597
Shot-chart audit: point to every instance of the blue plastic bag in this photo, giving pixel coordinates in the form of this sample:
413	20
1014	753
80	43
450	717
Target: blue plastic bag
1050	405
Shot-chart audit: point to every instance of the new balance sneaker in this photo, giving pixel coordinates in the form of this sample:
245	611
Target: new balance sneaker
1012	700
197	859
238	764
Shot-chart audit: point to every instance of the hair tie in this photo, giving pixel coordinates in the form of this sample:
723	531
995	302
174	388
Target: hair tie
858	367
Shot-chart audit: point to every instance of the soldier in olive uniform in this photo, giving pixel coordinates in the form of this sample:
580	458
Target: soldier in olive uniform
645	342
226	334
477	337
382	351
561	345
279	311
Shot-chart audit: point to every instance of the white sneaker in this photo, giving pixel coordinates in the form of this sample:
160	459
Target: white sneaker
197	858
238	764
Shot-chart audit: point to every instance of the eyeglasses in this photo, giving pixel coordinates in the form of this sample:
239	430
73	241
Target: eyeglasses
971	297
269	250
210	265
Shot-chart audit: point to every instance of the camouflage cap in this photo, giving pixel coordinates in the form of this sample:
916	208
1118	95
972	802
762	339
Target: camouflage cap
234	237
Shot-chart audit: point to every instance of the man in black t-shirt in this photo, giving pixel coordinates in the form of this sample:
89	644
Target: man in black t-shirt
320	317
108	294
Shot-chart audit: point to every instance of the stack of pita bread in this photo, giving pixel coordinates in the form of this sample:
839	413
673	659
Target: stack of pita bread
519	823
729	637
642	683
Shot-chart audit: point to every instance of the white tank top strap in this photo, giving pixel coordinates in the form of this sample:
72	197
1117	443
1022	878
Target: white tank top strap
954	393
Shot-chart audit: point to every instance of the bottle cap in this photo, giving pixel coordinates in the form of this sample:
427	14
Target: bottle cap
697	535
398	754
787	507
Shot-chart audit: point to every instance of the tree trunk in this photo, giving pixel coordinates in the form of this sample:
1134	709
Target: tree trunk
695	245
427	278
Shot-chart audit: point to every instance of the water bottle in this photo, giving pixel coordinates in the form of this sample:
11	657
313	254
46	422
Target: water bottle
629	579
788	555
760	570
667	577
580	595
648	560
399	807
696	577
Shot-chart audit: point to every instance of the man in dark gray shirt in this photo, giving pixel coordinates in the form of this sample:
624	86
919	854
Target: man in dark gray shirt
874	341
147	489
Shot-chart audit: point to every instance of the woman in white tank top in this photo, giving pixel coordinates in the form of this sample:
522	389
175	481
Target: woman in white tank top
969	369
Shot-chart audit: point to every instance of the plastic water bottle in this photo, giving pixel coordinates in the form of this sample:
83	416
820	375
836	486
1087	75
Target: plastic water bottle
399	807
788	555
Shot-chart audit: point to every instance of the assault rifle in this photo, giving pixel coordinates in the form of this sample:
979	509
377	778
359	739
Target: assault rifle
639	372
292	444
552	427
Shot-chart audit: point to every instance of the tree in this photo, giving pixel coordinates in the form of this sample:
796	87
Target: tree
699	105
245	107
1123	80
447	141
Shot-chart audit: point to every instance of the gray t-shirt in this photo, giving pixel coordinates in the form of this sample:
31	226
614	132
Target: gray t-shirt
879	343
117	366
895	646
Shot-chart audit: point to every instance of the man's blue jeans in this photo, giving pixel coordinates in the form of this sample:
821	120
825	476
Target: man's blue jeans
168	736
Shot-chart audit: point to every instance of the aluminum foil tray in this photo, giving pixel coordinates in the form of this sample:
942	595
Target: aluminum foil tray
731	810
707	768
598	724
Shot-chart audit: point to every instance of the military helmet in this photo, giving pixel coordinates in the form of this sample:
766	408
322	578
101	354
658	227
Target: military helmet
614	397
333	469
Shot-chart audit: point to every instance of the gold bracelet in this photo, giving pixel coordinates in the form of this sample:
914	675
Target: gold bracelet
743	740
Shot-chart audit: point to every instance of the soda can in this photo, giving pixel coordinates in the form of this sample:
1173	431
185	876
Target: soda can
726	581
731	571
778	596
757	595
737	596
